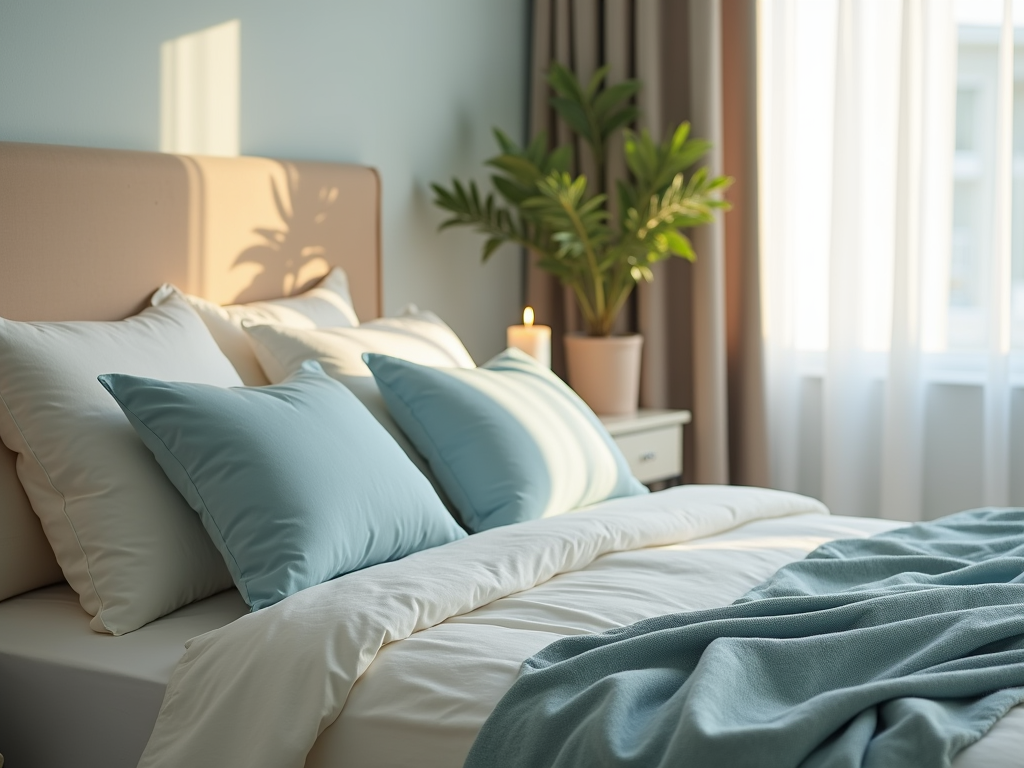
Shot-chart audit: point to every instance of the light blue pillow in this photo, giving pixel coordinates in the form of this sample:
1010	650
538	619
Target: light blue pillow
508	441
296	483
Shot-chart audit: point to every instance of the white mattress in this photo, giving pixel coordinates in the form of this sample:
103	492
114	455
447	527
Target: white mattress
73	697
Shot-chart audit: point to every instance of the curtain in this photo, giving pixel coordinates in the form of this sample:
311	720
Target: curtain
702	322
887	175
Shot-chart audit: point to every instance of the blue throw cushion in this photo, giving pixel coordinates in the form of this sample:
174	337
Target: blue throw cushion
508	441
296	483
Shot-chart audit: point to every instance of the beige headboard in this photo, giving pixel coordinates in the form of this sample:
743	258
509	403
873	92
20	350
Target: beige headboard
89	234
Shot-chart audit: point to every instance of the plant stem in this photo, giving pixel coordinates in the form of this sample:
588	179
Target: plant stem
585	310
623	293
595	274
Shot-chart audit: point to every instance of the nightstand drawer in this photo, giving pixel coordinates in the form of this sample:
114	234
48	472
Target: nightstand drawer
653	454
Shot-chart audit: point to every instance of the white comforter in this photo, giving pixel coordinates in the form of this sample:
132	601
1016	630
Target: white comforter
261	690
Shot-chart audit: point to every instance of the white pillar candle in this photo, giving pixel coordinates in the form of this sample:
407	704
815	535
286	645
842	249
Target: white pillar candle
534	340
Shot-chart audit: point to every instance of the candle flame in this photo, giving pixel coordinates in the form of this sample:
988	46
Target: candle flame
528	316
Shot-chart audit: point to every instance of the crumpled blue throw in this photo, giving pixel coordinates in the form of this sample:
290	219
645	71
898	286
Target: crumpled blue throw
898	650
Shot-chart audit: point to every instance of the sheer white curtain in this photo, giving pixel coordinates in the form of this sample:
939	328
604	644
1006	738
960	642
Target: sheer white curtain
887	248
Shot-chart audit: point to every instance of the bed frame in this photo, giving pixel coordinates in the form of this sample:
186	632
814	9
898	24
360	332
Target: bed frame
89	234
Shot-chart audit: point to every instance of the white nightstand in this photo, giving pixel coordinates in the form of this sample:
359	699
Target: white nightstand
651	441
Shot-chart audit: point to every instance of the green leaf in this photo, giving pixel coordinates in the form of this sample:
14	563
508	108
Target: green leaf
537	149
559	160
642	157
564	82
518	167
595	82
720	183
491	246
614	95
618	120
514	193
689	153
574	114
679	136
443	197
680	244
508	146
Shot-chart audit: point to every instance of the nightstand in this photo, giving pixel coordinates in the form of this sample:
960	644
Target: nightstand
652	442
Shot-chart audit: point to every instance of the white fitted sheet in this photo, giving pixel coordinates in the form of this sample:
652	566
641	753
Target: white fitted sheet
70	696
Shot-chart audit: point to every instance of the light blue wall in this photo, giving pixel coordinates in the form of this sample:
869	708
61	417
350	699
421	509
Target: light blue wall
409	86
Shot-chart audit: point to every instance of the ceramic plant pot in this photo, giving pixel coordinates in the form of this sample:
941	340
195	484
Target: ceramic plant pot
605	371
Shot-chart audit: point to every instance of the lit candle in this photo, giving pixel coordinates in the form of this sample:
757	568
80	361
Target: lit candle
534	340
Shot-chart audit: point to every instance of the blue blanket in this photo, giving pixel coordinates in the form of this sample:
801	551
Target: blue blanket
898	650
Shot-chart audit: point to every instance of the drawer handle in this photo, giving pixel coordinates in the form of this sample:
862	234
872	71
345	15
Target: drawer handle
648	456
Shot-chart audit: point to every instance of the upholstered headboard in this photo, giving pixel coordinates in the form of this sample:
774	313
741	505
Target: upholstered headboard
89	234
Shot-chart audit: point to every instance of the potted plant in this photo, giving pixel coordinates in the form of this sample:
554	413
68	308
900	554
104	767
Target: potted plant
566	221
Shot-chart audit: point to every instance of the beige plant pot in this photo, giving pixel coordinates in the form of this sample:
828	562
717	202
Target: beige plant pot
605	371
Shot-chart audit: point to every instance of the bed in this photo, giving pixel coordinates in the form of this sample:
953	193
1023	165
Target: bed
418	650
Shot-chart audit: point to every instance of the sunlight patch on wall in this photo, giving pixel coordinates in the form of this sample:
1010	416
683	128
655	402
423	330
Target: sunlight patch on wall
200	77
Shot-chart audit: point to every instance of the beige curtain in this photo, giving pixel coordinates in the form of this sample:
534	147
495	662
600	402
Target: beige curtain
701	322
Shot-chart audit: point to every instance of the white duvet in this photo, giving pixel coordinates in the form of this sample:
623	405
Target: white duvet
260	691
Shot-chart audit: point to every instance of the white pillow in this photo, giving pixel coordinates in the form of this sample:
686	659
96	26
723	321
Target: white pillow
127	541
418	336
328	304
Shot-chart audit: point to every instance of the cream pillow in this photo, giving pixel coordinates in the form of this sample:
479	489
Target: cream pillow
328	304
26	560
127	541
418	336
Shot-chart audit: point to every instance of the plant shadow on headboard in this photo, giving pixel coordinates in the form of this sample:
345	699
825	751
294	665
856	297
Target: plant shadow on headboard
291	256
264	228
